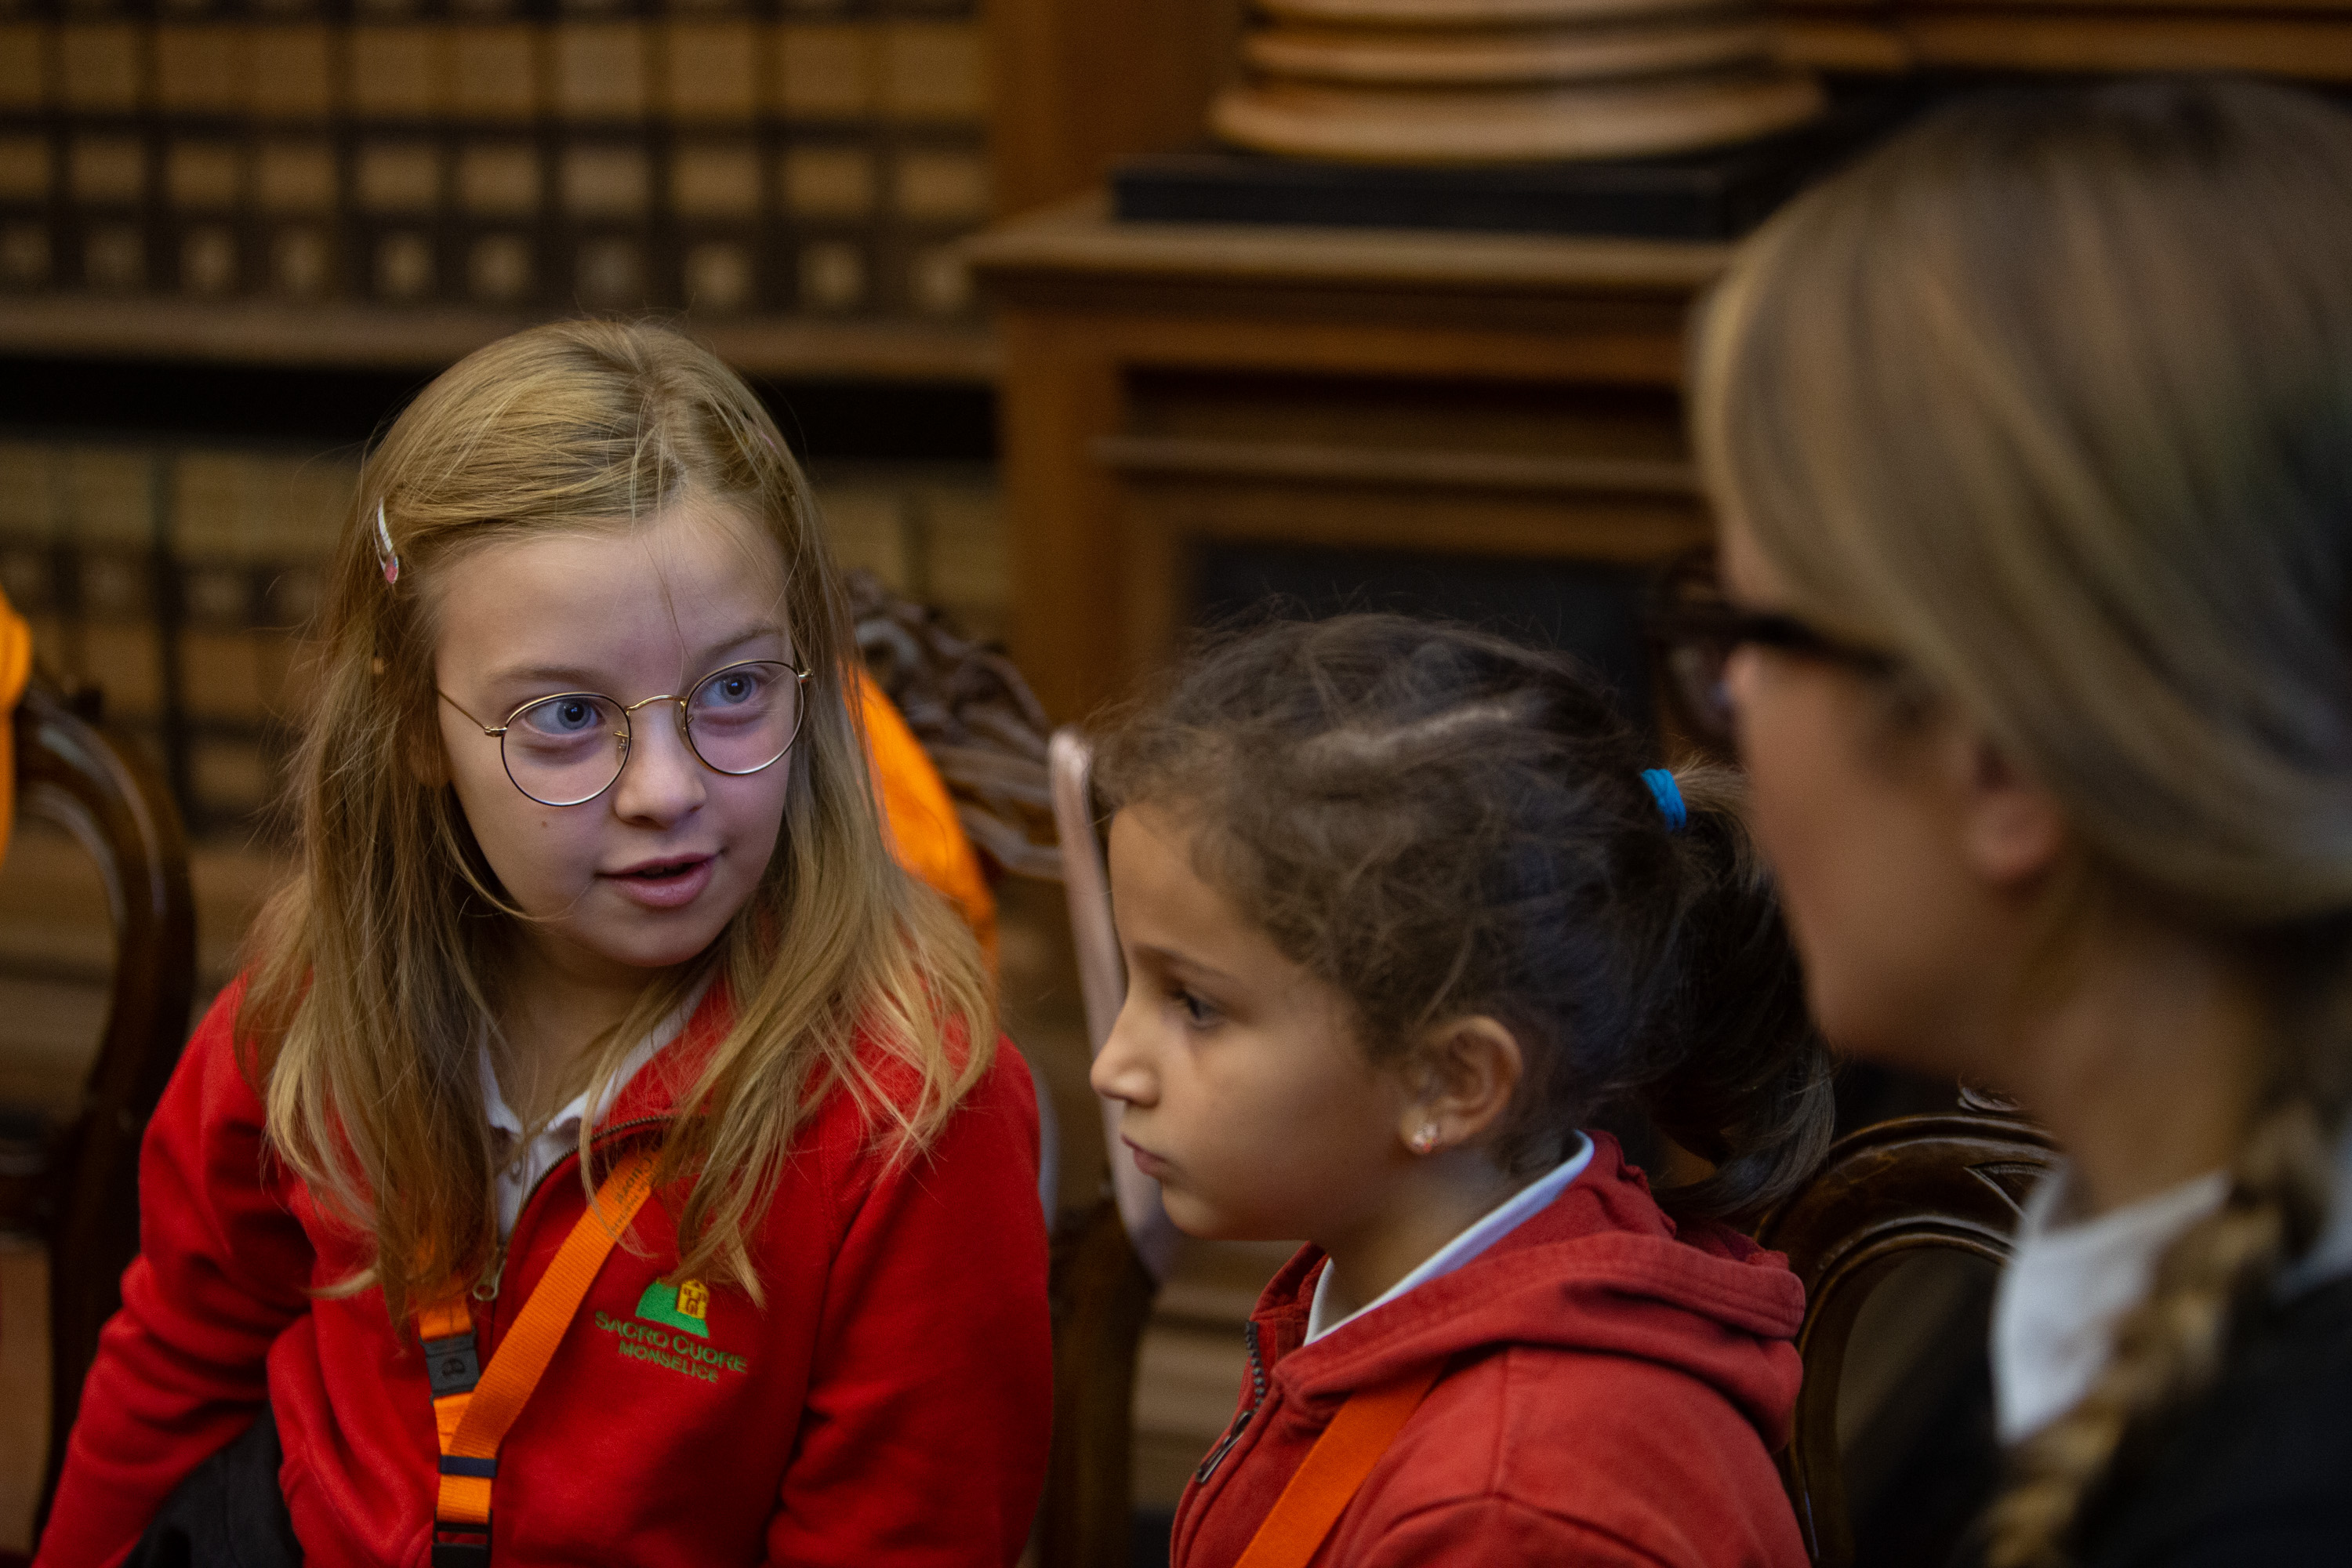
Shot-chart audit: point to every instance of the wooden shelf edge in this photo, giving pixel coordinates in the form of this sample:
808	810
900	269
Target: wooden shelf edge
1080	238
365	337
1182	457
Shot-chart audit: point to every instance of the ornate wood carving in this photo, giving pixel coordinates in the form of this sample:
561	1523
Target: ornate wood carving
1421	82
1957	1181
976	717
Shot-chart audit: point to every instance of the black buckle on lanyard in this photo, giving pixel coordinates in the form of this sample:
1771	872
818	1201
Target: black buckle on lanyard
461	1546
452	1365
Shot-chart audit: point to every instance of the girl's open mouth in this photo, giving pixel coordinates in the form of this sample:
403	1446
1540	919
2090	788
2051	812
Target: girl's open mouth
665	884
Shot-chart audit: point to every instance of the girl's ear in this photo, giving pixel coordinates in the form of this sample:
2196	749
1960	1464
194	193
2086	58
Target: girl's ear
427	765
426	754
1467	1070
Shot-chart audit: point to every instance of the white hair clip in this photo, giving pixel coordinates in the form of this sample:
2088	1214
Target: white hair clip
383	551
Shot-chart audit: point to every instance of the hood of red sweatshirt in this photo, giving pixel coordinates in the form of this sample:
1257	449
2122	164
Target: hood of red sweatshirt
1600	1269
1611	1377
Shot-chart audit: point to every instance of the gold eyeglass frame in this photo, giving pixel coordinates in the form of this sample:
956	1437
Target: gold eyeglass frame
628	734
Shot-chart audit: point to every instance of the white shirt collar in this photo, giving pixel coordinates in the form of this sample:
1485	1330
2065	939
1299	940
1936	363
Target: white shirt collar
528	1162
2056	1307
1498	1223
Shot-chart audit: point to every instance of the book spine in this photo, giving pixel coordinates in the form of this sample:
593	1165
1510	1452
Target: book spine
247	533
721	156
31	159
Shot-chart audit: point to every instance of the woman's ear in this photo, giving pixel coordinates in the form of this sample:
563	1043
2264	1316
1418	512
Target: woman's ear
1466	1071
2012	832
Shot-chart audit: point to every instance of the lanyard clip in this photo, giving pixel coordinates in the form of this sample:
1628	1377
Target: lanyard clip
453	1365
461	1546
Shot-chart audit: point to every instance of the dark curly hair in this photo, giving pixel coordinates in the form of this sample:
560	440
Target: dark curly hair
1439	823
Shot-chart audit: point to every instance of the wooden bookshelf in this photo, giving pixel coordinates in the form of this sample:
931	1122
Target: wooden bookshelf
369	337
322	188
1171	388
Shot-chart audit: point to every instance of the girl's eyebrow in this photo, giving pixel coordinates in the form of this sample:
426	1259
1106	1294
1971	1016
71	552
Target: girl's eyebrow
725	644
1175	960
567	674
580	678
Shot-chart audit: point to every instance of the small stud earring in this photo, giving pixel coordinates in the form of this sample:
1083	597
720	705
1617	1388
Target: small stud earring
1422	1142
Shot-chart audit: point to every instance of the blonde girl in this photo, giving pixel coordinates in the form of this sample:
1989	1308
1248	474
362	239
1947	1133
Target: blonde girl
2032	441
596	952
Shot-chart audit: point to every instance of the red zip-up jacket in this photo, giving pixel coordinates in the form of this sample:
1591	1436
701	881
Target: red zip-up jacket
889	1405
1615	1393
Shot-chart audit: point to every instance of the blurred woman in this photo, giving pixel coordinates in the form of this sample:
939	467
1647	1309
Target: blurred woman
2031	437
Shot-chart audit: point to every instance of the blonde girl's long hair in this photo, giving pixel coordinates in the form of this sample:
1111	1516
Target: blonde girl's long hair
376	969
2053	399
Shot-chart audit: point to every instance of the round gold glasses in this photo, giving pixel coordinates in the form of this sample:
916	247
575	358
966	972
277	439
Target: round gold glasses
566	750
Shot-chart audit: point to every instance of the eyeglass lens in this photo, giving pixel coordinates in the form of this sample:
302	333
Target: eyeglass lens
568	749
1696	668
1687	604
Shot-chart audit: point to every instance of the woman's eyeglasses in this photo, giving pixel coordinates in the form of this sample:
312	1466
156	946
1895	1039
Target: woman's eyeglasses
566	750
1695	631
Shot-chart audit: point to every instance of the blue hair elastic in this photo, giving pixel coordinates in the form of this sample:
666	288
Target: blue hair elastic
1670	797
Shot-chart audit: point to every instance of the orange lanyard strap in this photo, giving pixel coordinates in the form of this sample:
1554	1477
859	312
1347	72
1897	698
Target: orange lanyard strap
473	1406
1335	1469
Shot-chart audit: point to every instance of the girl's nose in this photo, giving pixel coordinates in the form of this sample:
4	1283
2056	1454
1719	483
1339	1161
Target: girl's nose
1122	1069
662	779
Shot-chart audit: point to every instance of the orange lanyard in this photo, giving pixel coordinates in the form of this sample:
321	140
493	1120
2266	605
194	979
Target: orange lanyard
473	1406
1334	1471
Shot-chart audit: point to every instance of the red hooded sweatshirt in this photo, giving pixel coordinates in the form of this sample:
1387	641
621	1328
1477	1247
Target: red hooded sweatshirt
888	1404
1616	1390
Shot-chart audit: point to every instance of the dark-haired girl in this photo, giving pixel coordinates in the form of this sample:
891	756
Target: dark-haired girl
1401	909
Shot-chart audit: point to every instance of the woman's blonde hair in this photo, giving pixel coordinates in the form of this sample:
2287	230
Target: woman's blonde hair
2053	399
376	969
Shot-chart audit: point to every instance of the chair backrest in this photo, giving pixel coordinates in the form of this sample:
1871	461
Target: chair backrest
1102	976
1109	1260
72	772
1955	1181
977	719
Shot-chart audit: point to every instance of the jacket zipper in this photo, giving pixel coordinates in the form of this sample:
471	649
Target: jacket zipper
486	1289
1241	1422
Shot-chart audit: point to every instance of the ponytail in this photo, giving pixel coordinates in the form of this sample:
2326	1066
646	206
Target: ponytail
1744	1079
2215	1280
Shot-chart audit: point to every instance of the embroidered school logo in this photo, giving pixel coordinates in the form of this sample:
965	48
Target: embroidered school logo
668	1330
684	1305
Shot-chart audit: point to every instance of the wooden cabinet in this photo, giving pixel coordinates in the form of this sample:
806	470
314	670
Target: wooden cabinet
1169	390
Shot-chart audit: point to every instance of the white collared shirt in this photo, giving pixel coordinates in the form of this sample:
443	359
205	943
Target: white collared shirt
2055	1309
526	1162
1498	1223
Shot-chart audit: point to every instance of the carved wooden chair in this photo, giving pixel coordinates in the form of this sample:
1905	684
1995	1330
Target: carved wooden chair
1955	1181
75	1187
977	719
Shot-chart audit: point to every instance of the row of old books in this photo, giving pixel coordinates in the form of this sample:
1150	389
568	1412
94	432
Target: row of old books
474	8
396	9
720	163
177	580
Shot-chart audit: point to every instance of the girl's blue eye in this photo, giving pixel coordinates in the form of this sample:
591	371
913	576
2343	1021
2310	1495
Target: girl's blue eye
563	717
731	689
